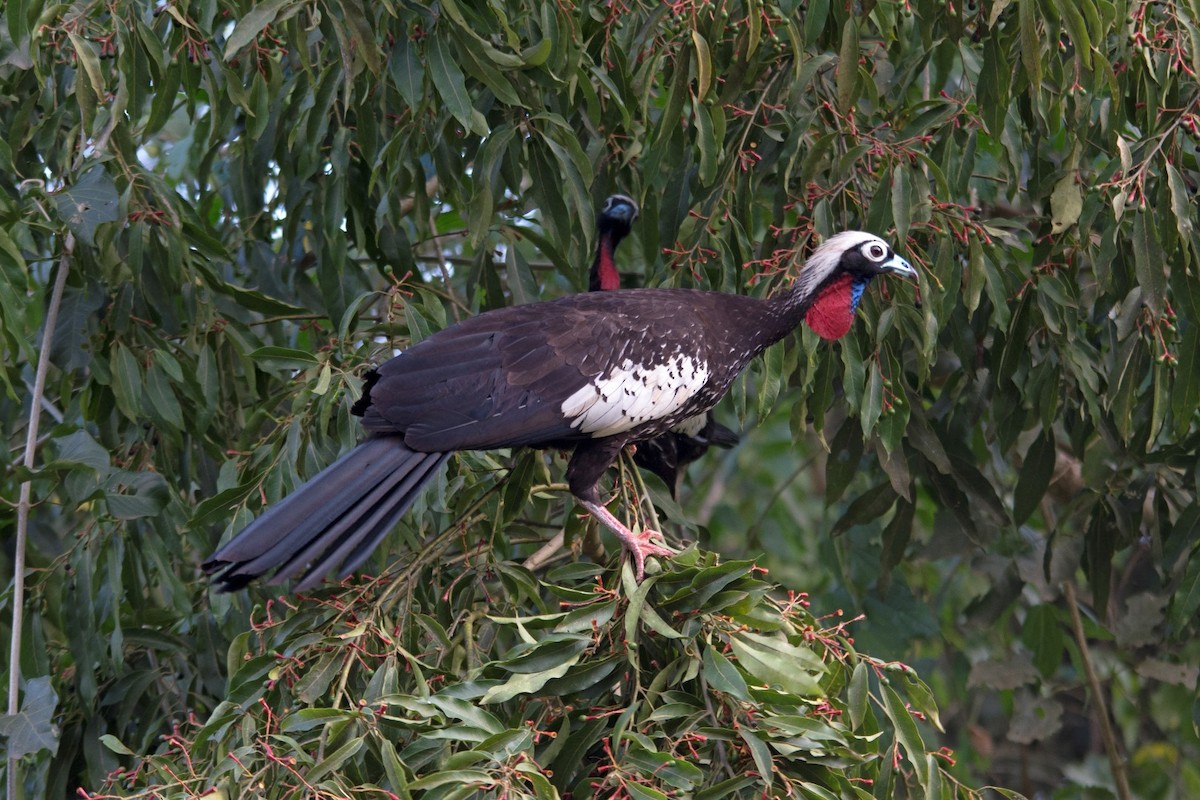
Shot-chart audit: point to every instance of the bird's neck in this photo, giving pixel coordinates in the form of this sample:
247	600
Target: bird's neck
827	308
604	275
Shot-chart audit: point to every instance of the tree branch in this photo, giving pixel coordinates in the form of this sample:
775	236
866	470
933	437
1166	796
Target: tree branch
25	501
1115	760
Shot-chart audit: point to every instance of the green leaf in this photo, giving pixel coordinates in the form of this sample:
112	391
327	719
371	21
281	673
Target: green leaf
1185	396
258	18
88	203
901	201
450	83
761	754
32	729
776	664
1031	46
407	72
906	733
639	791
162	397
1066	202
283	358
1182	207
709	146
1042	634
80	448
1149	261
847	67
115	745
1035	475
867	507
723	676
703	65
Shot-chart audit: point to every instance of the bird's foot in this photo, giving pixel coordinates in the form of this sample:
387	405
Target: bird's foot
639	545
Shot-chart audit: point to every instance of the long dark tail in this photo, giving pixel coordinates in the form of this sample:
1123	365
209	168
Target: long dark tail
337	517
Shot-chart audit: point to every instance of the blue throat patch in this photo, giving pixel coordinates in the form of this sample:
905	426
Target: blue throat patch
856	292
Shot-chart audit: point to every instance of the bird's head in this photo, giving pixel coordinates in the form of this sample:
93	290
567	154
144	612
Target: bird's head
617	215
613	223
838	272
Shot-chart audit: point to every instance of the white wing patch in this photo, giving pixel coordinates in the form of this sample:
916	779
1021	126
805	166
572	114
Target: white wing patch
632	394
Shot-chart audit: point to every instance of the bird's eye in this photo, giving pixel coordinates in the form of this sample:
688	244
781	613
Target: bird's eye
876	251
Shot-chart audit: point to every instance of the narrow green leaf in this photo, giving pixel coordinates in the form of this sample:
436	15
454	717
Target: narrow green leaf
450	83
127	382
901	201
1043	635
870	505
857	695
1148	261
772	379
1035	475
1185	397
723	676
407	72
283	358
906	733
707	142
1031	46
815	15
1077	29
114	744
761	754
1181	203
638	791
80	448
847	67
703	66
162	397
332	762
248	27
872	399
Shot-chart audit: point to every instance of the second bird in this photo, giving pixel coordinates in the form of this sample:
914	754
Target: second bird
668	455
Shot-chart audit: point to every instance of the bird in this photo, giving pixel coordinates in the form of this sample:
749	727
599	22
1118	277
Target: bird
590	372
668	455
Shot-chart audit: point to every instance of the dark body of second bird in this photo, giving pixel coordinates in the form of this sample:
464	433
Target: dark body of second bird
669	454
593	372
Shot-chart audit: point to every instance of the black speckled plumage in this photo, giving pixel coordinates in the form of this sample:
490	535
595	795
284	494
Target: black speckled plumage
593	372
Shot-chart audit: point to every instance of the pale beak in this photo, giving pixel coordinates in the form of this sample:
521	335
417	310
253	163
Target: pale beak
899	266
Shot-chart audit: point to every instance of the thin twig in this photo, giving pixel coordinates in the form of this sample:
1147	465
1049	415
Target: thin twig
25	501
1115	761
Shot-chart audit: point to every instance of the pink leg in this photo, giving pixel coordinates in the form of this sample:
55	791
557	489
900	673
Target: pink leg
638	544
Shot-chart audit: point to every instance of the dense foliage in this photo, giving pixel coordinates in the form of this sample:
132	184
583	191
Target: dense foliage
249	203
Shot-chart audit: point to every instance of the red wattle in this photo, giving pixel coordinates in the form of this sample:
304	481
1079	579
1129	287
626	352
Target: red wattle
609	277
832	313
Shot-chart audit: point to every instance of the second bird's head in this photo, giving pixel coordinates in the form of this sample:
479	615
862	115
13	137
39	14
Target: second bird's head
617	215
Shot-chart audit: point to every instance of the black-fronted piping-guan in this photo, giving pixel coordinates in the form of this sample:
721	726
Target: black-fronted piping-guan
593	372
669	454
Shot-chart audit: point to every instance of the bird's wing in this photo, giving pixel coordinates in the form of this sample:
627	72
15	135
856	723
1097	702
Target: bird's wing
581	367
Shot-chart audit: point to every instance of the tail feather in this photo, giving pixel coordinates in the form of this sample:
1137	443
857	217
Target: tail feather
348	507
